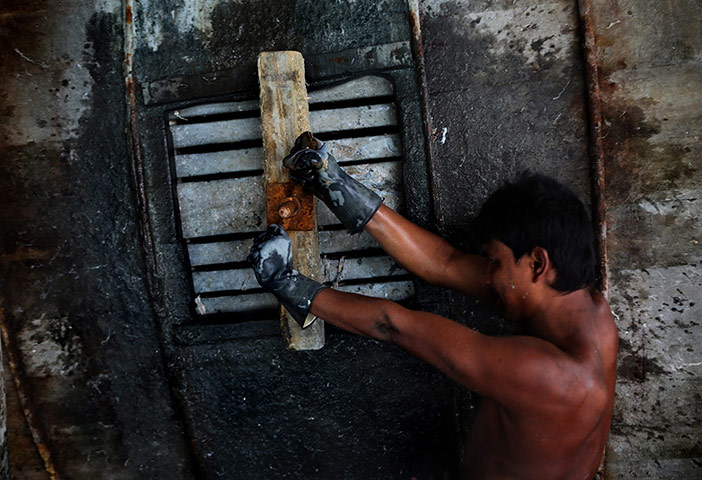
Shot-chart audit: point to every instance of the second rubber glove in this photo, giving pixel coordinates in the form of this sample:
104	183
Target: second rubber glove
271	259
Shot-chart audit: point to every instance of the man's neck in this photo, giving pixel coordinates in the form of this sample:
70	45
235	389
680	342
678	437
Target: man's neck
559	317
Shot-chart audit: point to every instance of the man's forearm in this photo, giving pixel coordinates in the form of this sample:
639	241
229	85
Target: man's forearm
367	316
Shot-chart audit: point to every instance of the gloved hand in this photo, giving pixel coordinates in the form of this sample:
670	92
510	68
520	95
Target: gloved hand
312	165
271	259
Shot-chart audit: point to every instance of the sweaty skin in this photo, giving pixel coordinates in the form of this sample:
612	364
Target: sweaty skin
547	394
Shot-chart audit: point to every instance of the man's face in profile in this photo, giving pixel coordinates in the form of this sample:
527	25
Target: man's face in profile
509	279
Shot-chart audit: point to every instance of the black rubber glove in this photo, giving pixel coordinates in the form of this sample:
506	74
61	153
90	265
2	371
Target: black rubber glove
312	165
271	258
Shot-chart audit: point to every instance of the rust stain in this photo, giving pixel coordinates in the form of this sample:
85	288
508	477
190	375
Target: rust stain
597	156
15	362
280	195
418	56
23	253
340	60
128	13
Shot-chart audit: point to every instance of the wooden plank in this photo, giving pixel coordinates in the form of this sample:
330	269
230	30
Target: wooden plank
284	116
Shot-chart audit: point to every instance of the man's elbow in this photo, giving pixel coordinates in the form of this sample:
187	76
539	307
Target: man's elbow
385	324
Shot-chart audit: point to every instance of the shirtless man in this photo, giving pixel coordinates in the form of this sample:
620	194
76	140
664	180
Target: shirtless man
548	392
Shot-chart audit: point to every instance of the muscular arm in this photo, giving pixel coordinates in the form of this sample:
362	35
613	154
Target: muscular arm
427	255
518	372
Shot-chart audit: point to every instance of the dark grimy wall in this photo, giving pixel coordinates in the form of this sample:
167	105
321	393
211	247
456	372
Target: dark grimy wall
111	392
114	396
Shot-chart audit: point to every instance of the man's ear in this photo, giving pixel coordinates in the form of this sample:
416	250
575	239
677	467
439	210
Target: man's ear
541	265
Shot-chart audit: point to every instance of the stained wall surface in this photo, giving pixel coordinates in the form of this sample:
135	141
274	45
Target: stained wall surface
114	396
73	295
113	392
650	56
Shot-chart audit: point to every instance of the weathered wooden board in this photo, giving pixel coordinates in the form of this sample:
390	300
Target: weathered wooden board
284	116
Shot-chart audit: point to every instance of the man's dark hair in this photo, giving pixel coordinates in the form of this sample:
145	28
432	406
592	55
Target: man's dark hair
538	211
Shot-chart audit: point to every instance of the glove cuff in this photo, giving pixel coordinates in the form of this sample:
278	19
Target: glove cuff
298	294
352	202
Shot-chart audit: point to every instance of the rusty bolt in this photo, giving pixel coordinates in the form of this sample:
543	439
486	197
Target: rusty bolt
288	207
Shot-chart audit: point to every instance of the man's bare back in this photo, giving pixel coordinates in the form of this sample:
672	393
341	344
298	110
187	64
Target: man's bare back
547	394
563	441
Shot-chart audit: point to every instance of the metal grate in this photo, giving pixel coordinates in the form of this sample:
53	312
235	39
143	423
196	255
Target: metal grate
217	156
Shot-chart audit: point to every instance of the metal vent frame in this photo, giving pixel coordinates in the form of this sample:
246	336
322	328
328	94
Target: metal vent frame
171	291
209	160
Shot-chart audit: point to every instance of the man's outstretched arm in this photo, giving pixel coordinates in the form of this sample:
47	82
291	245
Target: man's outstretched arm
516	371
416	249
524	373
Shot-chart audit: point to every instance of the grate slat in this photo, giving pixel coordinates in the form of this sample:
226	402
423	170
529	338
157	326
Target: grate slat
251	159
220	207
240	303
353	118
223	131
361	268
399	290
235	251
364	87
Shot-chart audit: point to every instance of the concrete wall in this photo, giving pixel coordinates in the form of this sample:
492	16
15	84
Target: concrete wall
506	92
650	55
72	292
